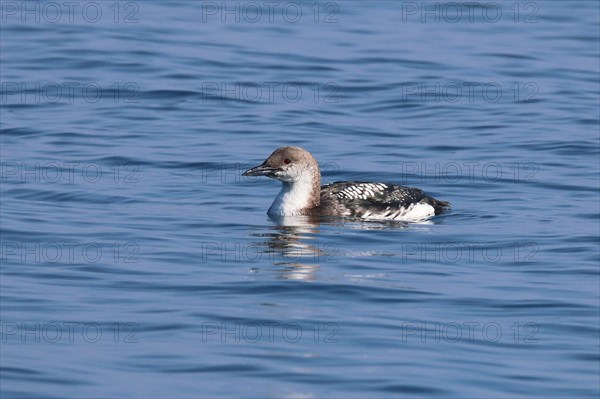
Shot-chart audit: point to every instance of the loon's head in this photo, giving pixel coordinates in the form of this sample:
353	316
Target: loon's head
289	165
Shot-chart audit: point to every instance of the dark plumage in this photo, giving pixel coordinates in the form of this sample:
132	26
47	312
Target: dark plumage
383	201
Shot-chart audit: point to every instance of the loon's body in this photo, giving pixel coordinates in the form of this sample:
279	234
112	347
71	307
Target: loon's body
302	193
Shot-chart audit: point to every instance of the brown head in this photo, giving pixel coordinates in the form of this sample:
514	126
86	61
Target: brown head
290	165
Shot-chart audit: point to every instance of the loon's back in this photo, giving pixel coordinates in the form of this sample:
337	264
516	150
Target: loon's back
380	201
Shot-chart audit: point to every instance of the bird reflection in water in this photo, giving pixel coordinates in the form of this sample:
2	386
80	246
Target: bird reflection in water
288	247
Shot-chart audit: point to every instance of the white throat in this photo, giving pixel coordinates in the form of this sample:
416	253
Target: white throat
293	198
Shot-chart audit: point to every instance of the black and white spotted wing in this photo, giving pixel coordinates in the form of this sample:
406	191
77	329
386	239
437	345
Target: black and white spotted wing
378	201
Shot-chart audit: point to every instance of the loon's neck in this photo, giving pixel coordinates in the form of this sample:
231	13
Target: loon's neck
299	197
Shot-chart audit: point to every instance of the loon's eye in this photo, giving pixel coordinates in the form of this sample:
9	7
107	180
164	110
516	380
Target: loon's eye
286	161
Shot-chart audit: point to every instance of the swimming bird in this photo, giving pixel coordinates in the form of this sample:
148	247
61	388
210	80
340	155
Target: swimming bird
302	194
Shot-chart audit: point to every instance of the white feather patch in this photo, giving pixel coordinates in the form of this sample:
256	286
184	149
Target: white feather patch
413	213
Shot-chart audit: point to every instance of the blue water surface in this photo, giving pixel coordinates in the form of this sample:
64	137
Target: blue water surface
138	263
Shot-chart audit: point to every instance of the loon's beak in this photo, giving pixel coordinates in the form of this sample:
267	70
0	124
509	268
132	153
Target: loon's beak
261	170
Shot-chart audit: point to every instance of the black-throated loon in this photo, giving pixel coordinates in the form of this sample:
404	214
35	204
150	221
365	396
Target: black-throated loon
302	193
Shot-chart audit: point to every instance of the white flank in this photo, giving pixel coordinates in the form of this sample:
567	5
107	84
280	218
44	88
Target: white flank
413	213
